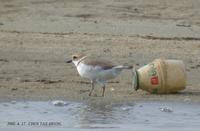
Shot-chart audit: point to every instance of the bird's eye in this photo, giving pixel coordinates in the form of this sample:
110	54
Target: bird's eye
74	57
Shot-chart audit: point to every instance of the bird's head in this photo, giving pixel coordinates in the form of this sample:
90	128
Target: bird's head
76	58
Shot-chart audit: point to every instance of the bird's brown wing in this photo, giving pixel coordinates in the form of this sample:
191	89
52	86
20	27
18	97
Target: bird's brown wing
104	64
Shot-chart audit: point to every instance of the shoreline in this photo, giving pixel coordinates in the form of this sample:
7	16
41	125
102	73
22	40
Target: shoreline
36	37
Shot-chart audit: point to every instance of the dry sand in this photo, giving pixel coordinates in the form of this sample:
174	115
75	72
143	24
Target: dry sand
37	36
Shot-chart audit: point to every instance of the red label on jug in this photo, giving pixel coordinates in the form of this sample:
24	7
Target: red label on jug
154	80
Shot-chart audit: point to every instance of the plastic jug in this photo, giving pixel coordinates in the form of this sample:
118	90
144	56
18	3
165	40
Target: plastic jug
160	77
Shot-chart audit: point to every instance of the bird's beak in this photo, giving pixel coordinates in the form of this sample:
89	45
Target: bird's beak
69	61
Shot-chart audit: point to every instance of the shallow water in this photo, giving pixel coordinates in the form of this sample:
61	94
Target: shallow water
74	115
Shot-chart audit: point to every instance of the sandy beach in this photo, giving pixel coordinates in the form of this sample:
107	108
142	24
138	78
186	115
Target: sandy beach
36	38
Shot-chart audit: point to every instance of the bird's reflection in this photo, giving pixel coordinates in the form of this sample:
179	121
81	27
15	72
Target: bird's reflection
101	115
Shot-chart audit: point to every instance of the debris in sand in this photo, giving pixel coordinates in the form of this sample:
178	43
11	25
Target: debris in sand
195	66
13	102
4	60
112	89
113	82
14	89
59	103
166	109
81	82
43	81
83	91
183	25
187	100
125	108
107	50
49	81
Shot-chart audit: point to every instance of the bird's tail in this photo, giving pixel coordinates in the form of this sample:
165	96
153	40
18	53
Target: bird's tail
124	66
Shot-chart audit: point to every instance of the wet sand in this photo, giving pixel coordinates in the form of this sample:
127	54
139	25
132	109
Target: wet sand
36	37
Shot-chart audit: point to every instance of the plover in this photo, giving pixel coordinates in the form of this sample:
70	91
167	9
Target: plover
96	70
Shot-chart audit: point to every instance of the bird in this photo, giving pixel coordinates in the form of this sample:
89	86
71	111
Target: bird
95	69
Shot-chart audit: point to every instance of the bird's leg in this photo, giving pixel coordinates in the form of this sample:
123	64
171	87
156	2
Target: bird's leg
92	85
104	87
